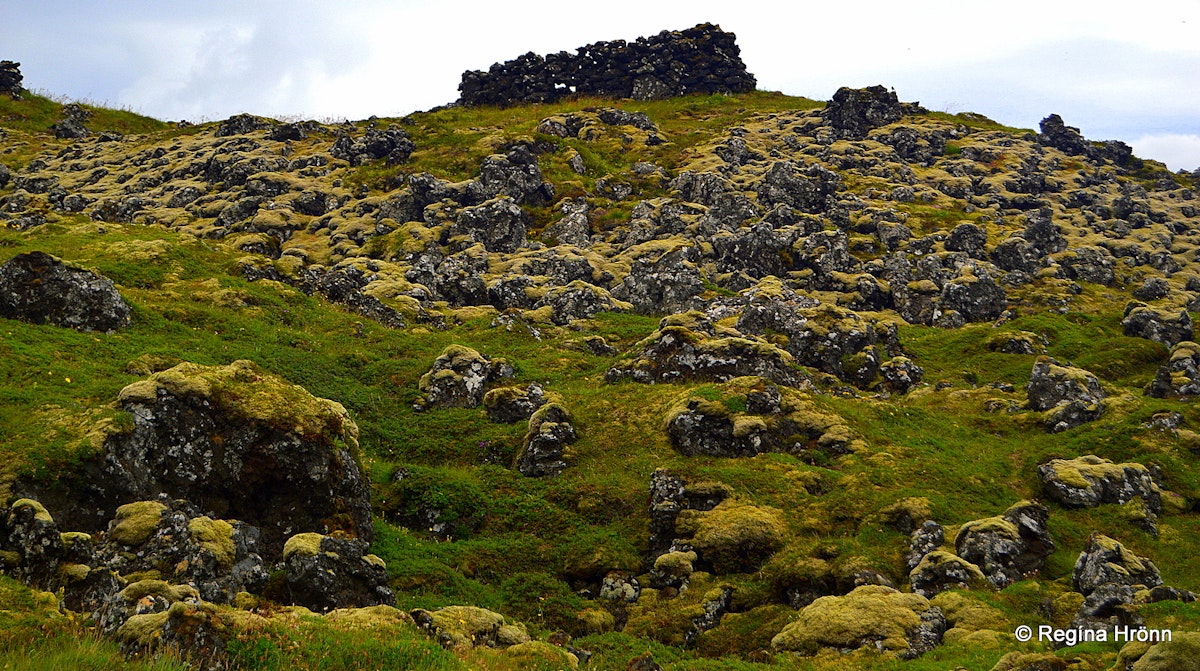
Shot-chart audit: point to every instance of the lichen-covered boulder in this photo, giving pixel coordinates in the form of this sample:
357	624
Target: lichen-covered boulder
1089	481
31	546
1178	654
974	295
323	573
1146	322
1180	375
732	537
459	627
1070	396
234	440
662	285
1008	547
754	416
1106	560
508	405
579	300
499	224
175	541
871	616
459	378
675	353
939	571
900	374
39	288
544	451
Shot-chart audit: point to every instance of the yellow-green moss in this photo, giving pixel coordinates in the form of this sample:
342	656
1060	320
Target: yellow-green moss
465	626
1178	654
533	652
870	612
733	536
216	536
245	391
368	617
134	522
305	544
39	511
595	621
172	593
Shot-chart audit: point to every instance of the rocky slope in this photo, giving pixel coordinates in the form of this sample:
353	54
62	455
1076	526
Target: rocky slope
732	376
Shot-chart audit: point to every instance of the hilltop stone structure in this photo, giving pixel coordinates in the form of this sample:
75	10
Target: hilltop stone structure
703	59
10	79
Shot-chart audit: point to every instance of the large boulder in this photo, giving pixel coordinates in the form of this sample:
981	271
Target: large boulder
753	416
1106	560
39	288
544	450
1146	322
854	112
234	440
1008	547
1070	396
1180	375
1090	481
871	616
459	378
323	573
733	537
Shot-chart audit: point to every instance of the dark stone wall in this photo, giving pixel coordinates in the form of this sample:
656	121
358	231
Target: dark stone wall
703	59
10	78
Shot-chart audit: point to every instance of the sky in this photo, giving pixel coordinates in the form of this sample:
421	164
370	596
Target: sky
1117	71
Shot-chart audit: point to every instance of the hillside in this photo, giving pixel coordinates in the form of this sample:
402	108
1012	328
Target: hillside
739	380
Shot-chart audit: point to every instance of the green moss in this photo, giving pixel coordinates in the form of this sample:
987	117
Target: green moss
39	511
306	545
216	536
134	522
465	626
733	537
867	614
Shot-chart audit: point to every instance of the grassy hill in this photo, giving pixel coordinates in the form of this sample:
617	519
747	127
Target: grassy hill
959	446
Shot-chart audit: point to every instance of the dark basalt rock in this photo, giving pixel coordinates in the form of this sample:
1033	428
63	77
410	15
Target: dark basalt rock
459	378
1090	481
323	573
240	124
854	112
234	440
394	144
1072	396
10	80
38	288
703	59
675	353
500	224
544	448
1107	561
662	285
1009	547
1180	375
1146	322
509	405
515	174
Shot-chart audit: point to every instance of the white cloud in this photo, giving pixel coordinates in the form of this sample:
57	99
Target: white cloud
1178	151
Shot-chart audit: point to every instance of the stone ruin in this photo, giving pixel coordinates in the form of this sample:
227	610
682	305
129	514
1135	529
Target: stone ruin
703	59
10	79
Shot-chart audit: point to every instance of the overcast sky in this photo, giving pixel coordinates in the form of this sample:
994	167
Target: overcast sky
1118	71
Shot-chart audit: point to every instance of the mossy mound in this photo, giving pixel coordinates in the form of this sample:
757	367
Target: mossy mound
870	616
733	537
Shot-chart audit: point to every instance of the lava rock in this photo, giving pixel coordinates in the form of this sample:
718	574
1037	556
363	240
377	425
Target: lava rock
1090	481
544	450
1180	375
1105	560
508	405
1009	547
459	378
39	288
323	573
1071	396
871	616
1146	322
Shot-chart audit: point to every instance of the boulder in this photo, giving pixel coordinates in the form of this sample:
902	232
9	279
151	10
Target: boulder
754	416
459	627
675	353
974	295
573	228
31	546
323	573
1089	481
1146	322
544	450
515	175
662	285
240	124
1180	375
923	540
852	113
509	405
393	144
10	79
234	440
39	288
1070	396
806	189
900	374
871	616
1105	560
579	300
733	537
500	224
459	378
1009	547
940	570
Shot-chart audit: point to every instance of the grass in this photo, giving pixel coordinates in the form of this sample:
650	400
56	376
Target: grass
463	528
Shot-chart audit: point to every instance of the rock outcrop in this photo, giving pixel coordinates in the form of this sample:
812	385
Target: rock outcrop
39	288
234	440
1069	396
459	378
872	616
10	79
